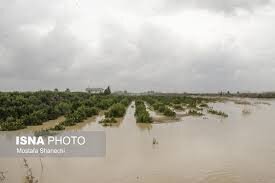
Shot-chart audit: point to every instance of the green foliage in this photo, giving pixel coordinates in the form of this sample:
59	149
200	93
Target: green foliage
178	107
69	120
219	113
63	108
79	115
58	127
107	91
162	108
204	105
105	103
12	124
125	101
117	110
194	113
75	117
108	120
35	118
91	111
169	112
158	106
34	108
142	115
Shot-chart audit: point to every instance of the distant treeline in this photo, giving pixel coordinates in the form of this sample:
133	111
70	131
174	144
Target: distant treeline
247	95
226	94
258	95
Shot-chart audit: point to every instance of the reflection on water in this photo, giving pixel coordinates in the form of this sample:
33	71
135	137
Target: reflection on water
210	149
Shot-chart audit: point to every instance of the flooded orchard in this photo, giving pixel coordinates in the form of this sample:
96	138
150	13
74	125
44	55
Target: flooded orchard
191	149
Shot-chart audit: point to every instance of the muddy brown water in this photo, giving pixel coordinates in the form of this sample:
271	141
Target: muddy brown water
210	149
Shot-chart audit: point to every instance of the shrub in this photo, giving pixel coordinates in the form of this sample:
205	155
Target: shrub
156	106
12	124
178	107
69	121
220	113
104	104
64	108
79	115
203	105
142	115
73	118
91	111
107	91
194	113
125	102
117	110
161	108
58	127
35	118
168	112
108	120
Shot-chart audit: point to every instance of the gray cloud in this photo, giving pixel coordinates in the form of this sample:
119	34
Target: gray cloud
36	47
228	6
39	50
157	60
27	56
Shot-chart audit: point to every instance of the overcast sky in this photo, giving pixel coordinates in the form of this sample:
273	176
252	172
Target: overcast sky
138	45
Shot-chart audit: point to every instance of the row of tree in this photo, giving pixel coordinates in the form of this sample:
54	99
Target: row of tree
21	109
141	114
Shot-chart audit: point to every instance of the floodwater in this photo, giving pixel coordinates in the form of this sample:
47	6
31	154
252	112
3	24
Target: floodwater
209	149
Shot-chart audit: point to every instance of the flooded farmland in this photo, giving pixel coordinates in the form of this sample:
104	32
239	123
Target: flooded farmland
202	149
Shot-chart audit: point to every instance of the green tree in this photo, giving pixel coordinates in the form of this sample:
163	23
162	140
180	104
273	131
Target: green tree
107	91
116	110
63	108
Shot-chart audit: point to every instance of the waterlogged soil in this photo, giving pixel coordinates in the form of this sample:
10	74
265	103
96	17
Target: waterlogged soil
205	149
